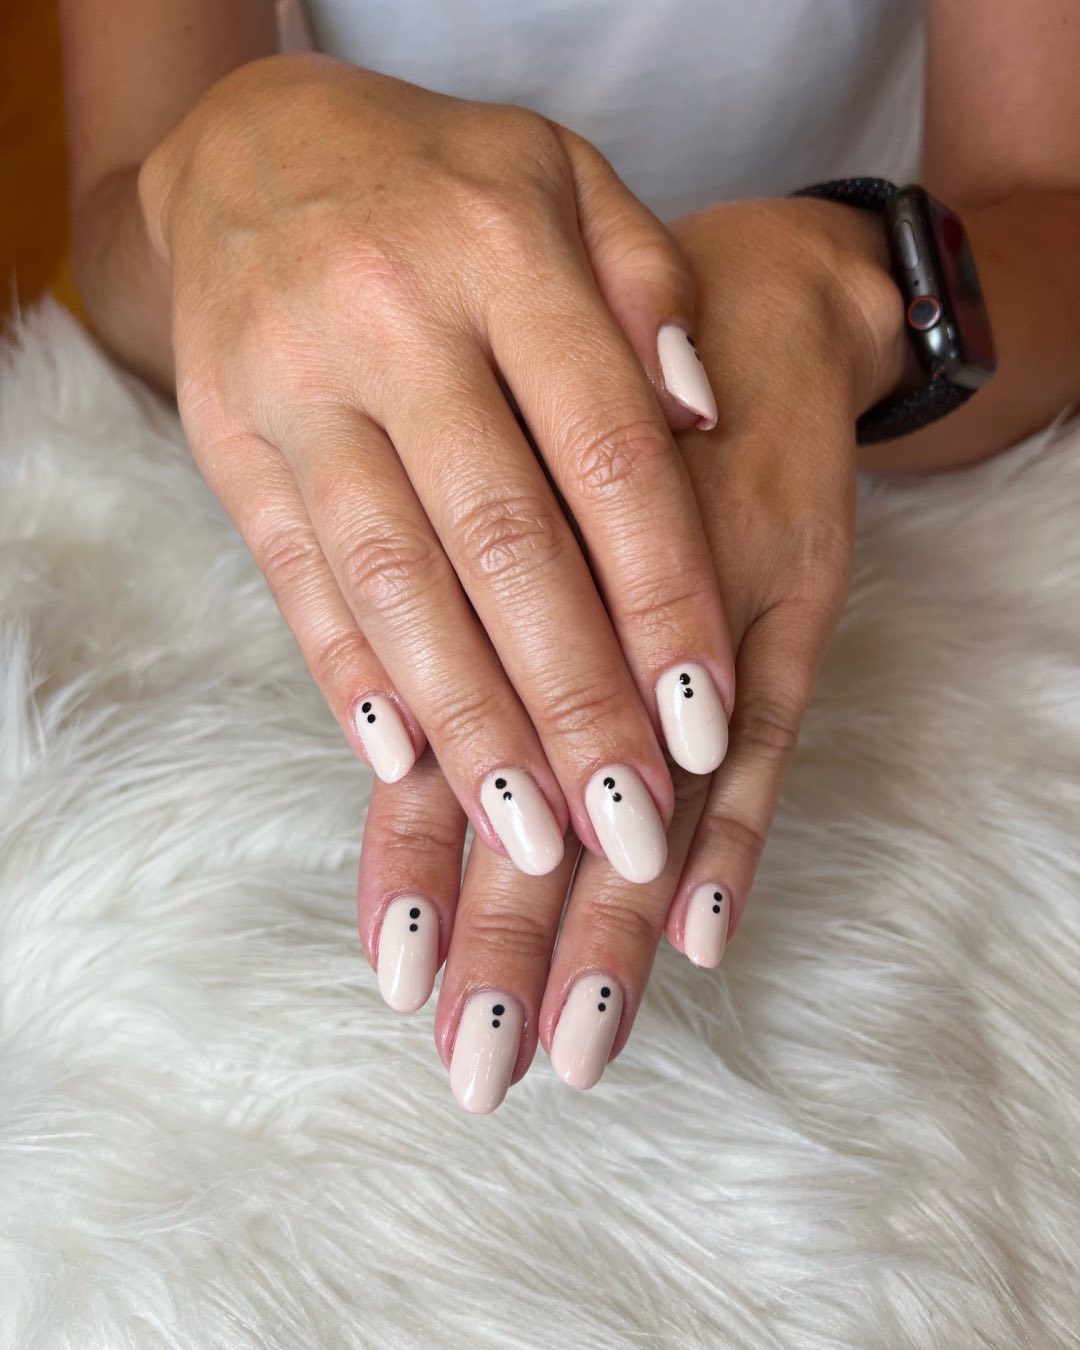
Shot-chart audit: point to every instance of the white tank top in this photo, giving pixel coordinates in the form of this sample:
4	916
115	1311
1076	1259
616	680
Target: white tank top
692	101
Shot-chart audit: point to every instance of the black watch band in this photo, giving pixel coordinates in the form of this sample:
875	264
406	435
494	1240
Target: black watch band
923	238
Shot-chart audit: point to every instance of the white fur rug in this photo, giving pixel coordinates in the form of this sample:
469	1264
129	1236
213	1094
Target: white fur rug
862	1133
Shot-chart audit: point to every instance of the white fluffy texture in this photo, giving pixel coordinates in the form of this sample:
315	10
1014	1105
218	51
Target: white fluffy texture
862	1133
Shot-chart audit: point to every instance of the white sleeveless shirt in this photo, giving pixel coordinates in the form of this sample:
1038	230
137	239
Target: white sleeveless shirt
693	101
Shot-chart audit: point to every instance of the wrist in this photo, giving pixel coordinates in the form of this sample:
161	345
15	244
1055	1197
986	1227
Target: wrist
869	309
223	136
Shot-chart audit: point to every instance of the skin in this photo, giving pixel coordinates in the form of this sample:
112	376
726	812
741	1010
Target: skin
800	328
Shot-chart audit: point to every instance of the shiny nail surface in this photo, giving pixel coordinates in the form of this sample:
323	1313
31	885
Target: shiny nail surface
523	821
692	716
706	925
383	734
485	1050
408	952
684	375
586	1030
627	823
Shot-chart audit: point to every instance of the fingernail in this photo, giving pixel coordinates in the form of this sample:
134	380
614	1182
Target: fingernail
586	1030
485	1050
627	823
408	952
684	375
384	737
692	716
522	819
705	929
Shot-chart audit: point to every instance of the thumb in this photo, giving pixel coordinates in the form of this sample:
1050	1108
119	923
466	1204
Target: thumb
646	282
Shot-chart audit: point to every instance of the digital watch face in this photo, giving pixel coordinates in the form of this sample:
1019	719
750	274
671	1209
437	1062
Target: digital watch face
963	299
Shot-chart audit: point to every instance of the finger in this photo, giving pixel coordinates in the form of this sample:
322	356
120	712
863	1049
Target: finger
605	952
600	430
646	282
502	528
410	869
485	1025
259	492
778	663
407	600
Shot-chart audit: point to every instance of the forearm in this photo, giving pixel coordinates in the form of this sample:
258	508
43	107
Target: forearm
1025	248
124	284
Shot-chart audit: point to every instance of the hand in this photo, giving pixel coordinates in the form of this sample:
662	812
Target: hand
361	270
801	329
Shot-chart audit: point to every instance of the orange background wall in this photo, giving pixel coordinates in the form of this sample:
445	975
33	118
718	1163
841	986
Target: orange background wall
33	194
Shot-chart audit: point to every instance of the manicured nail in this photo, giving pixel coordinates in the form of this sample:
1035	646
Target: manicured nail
684	375
627	823
384	738
408	952
523	821
692	716
586	1030
705	929
485	1050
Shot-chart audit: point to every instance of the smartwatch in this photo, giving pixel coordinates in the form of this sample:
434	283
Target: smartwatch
946	316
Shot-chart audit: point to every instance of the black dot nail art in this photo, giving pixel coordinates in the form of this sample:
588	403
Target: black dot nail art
684	680
604	993
609	783
498	1011
500	783
693	345
718	896
366	708
414	913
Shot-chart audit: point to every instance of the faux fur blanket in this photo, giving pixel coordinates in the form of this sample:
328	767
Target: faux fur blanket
862	1132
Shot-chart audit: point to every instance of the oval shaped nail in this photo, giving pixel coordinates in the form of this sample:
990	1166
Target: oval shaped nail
627	823
684	375
408	952
383	735
522	819
705	928
692	717
586	1030
485	1050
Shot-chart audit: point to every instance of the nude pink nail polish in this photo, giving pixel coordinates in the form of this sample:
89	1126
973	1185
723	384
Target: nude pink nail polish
384	737
408	952
586	1030
626	822
485	1050
522	819
692	716
684	375
706	925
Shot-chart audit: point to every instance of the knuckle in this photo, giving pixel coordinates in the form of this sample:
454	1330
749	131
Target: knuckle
769	725
581	708
385	570
466	719
499	221
379	283
497	932
627	926
605	456
649	250
409	835
202	398
285	556
335	660
726	835
660	604
503	537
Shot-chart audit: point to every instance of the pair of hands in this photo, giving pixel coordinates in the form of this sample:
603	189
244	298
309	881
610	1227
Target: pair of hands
370	284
